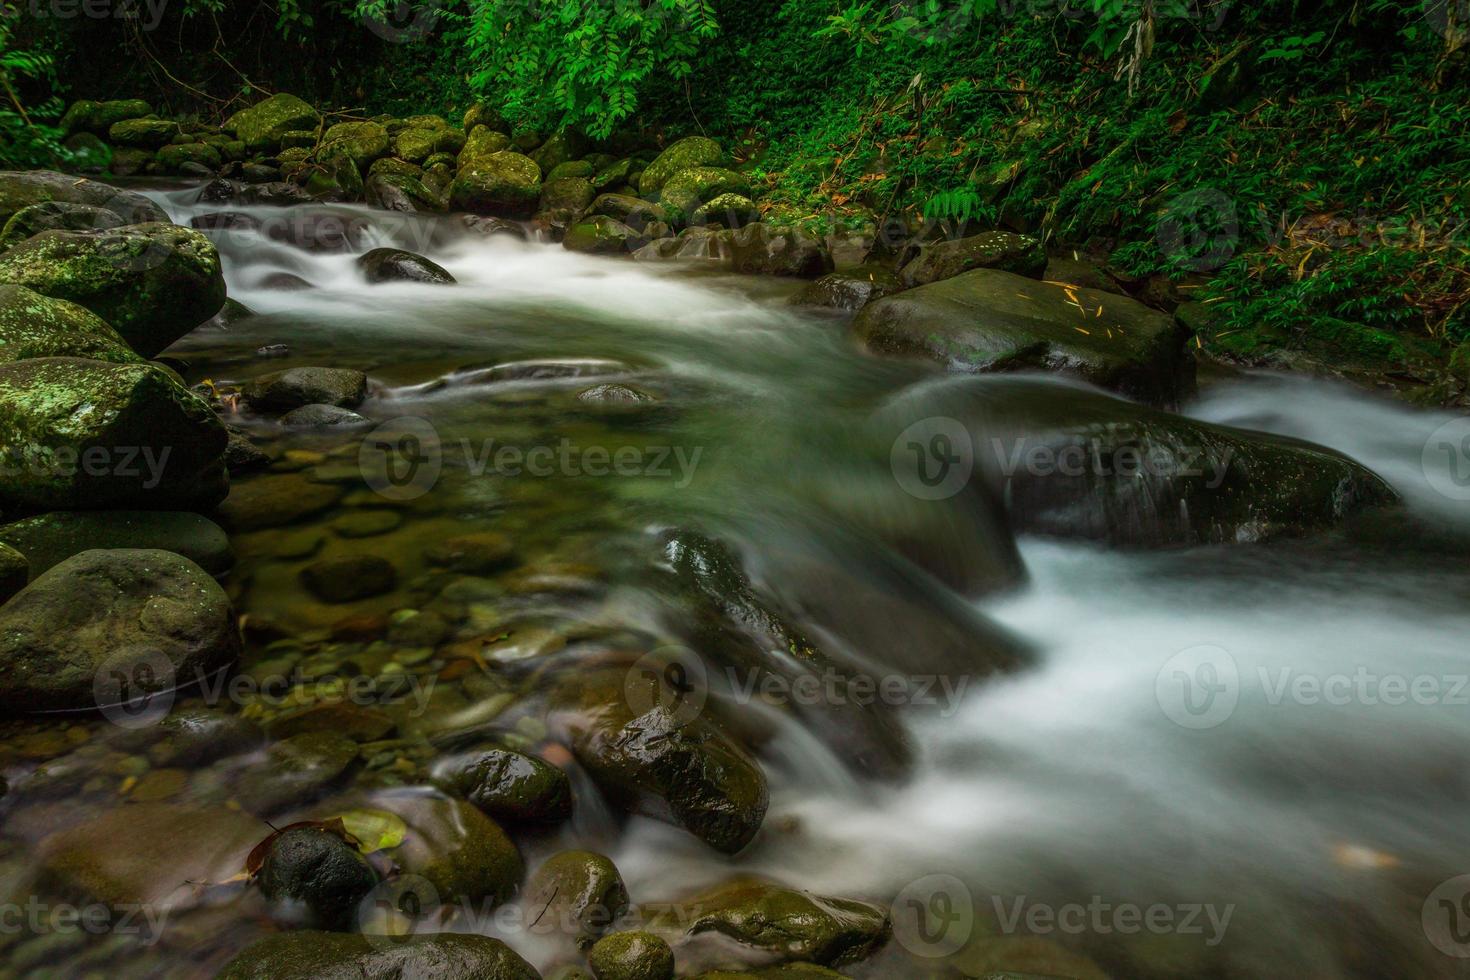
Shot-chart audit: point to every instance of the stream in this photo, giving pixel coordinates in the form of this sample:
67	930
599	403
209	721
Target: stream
1065	809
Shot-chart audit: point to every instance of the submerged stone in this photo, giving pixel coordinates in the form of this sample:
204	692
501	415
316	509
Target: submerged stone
333	956
49	539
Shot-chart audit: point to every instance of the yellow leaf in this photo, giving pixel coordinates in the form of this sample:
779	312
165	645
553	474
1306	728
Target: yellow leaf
378	830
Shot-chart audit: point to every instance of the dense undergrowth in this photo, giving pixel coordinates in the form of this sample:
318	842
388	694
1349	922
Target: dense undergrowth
1301	168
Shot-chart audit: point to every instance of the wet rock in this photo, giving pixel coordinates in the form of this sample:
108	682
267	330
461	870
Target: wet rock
276	501
276	192
83	434
1076	463
155	617
689	774
191	736
489	227
36	218
474	554
792	924
614	396
508	786
314	878
323	417
20	189
987	320
33	325
417	143
333	956
581	893
632	956
15	572
566	197
727	211
463	854
357	722
693	151
686	191
243	456
602	235
759	249
398	190
262	125
194	159
284	390
367	523
398	265
152	282
294	772
349	579
360	142
506	184
284	282
631	211
49	539
561	147
86	115
1002	250
851	290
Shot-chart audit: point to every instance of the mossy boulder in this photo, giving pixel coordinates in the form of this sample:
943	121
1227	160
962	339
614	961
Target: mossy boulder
88	435
481	144
850	290
394	189
572	168
417	144
762	249
33	325
632	211
790	924
729	210
15	572
601	235
173	157
36	218
152	282
688	153
688	190
1001	250
566	197
506	184
480	114
360	142
281	391
49	539
262	125
147	134
507	785
400	265
19	189
561	147
581	891
86	115
988	320
89	154
336	956
463	854
632	956
113	610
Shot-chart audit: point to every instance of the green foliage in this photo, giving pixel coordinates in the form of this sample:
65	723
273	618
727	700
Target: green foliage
27	138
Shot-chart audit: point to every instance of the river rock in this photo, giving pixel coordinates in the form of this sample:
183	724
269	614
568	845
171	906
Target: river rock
1002	250
33	325
560	147
282	391
15	572
631	211
566	197
86	115
727	211
276	500
148	133
262	125
582	894
194	159
850	290
632	956
118	610
315	878
1076	463
360	142
350	578
506	184
294	772
794	925
988	320
334	956
20	189
761	249
508	786
417	143
399	265
462	853
195	735
687	153
93	435
688	773
688	190
36	218
489	227
49	539
394	190
601	235
152	282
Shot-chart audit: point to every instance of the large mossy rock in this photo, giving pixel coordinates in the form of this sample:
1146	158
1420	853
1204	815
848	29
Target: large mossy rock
154	617
505	183
506	785
583	893
416	144
335	956
1001	250
1073	462
262	125
460	851
48	540
601	235
360	142
282	391
397	186
686	191
19	189
36	218
15	572
33	325
789	924
152	282
88	116
683	771
762	249
988	320
88	435
693	151
144	134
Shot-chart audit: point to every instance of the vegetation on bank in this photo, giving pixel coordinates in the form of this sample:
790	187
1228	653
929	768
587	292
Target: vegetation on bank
1299	168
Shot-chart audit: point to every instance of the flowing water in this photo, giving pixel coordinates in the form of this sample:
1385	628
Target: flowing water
1078	808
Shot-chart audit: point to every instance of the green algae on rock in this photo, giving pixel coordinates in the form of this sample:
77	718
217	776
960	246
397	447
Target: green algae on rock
19	189
631	956
794	925
692	151
49	539
262	125
504	183
34	325
581	892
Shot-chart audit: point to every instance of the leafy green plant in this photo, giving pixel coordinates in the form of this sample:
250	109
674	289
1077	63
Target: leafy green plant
27	136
